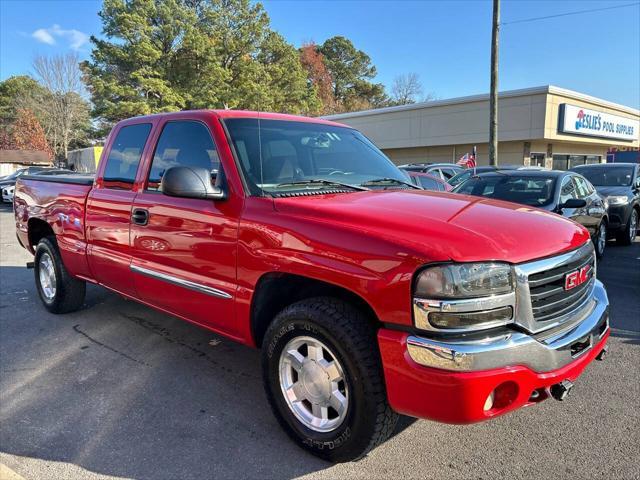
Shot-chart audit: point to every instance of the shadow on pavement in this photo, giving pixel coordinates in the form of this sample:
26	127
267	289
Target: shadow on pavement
120	389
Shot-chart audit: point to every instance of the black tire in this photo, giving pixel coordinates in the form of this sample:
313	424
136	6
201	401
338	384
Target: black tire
600	243
369	420
69	291
626	236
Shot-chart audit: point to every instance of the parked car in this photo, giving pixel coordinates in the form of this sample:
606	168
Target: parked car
467	173
368	296
619	183
429	182
443	170
8	188
566	193
11	178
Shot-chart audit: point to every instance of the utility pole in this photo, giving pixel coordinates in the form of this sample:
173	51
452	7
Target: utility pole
493	96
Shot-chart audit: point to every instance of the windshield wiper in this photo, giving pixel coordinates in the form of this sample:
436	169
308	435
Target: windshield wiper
321	181
377	181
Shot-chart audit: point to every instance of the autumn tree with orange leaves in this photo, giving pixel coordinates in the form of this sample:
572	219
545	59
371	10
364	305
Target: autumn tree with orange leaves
318	76
25	133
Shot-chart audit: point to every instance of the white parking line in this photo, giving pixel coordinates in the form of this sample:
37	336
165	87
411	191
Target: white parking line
7	474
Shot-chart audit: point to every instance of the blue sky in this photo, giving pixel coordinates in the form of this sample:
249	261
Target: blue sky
445	42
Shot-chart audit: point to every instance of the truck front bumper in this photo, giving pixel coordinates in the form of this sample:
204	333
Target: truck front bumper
471	381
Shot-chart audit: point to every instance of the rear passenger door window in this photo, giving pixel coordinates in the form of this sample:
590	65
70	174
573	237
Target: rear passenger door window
183	143
124	156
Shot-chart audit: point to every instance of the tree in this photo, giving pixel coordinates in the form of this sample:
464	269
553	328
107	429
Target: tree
18	92
351	69
25	133
406	89
318	76
64	113
167	55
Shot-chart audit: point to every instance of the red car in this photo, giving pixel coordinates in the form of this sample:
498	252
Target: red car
368	296
429	182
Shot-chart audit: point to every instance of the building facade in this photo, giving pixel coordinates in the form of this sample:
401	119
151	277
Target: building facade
12	160
545	126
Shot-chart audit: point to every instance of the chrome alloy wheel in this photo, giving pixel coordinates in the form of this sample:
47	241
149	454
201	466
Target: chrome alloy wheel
602	238
633	225
47	276
313	384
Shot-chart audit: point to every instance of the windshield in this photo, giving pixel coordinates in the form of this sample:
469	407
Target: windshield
532	191
279	157
609	176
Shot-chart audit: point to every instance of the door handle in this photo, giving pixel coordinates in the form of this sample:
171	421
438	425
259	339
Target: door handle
140	216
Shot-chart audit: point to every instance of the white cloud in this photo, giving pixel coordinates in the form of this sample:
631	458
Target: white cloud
43	36
75	38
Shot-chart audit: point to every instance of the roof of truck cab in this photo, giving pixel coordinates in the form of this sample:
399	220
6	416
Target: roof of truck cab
224	114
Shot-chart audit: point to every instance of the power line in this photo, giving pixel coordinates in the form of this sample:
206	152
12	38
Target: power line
570	13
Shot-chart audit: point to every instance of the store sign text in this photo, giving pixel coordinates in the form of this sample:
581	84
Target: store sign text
584	121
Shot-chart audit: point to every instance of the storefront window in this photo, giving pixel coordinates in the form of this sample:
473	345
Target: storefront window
537	160
575	160
560	162
566	162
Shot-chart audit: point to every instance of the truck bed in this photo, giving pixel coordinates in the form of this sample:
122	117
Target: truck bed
55	204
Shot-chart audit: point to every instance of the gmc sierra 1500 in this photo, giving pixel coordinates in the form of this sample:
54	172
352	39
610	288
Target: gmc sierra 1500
368	296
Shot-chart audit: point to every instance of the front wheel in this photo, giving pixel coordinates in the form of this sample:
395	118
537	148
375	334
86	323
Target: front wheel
323	378
628	235
58	290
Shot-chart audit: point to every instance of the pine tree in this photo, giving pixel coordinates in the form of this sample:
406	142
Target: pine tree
167	55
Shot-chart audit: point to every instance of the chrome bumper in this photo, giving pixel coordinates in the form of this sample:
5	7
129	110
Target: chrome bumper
544	352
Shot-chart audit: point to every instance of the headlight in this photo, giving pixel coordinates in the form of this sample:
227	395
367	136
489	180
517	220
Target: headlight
465	280
618	199
464	297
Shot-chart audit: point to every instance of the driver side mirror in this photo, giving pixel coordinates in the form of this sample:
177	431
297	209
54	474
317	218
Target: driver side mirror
191	182
573	203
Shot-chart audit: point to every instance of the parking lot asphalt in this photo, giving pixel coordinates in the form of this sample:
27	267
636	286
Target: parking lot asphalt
118	390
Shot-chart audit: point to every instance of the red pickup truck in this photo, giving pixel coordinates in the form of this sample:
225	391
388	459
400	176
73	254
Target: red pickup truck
368	296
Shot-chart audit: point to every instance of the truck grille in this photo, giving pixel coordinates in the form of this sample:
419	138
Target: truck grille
549	298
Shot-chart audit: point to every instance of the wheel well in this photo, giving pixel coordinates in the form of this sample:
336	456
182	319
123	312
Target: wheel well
38	229
275	291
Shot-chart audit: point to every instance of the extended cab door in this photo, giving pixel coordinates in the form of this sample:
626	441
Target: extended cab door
184	249
108	213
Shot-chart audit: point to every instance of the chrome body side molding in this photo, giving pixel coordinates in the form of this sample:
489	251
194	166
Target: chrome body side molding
198	287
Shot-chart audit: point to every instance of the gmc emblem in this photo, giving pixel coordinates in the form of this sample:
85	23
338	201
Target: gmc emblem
574	279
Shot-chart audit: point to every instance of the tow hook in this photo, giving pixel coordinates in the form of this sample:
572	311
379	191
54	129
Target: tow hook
602	354
560	391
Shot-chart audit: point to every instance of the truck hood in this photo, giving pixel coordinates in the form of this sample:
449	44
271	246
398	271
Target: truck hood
439	226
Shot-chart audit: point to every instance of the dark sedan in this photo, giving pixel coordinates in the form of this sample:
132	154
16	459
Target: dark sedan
465	174
565	193
619	183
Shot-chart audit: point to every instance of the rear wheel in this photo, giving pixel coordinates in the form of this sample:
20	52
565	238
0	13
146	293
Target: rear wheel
323	378
628	235
58	290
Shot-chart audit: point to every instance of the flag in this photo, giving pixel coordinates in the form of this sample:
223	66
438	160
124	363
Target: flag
468	160
463	160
